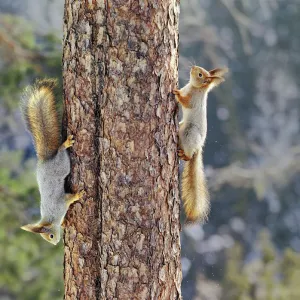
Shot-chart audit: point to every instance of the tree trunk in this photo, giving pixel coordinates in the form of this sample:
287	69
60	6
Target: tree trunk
120	66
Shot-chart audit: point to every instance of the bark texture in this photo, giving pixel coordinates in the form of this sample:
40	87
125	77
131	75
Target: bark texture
120	66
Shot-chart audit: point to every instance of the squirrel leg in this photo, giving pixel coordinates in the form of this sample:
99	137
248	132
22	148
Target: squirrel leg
68	142
183	156
183	151
183	100
71	198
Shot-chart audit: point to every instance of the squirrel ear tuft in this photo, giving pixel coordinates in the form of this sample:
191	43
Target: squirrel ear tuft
36	228
216	80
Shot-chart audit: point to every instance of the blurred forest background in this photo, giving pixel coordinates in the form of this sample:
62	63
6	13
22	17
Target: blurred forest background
250	248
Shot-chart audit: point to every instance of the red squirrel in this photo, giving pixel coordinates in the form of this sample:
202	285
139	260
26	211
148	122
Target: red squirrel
41	115
192	135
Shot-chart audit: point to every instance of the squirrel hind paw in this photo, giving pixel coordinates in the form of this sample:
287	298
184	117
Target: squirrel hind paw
176	92
69	142
182	155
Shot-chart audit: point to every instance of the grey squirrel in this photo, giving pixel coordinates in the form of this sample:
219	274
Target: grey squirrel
40	111
192	135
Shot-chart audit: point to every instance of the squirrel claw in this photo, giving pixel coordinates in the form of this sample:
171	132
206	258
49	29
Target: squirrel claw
81	194
71	139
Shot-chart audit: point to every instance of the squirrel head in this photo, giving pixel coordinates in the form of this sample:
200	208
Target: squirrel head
203	79
48	231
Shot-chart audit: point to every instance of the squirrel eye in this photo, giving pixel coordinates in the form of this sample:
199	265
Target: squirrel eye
51	236
200	75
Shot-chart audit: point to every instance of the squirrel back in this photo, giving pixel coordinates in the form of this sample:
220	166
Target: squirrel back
39	107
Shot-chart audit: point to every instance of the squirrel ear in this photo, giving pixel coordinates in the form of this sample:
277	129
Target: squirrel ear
36	228
218	71
216	80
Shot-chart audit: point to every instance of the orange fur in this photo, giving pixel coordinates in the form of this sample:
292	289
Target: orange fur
207	81
183	100
37	228
195	194
40	113
218	71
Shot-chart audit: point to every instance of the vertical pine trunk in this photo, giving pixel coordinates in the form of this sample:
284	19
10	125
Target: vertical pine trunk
120	66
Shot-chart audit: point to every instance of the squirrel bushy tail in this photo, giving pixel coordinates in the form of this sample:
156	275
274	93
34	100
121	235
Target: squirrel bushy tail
39	107
195	194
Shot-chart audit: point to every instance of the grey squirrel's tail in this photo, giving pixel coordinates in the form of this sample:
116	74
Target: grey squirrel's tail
195	194
40	111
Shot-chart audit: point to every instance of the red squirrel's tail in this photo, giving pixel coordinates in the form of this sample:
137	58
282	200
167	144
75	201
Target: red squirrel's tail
195	194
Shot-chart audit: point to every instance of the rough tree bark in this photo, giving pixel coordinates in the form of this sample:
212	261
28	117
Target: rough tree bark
120	66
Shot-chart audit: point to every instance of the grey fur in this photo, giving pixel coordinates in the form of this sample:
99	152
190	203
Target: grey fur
51	176
42	118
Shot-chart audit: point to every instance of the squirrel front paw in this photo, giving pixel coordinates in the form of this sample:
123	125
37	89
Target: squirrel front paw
69	142
183	100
